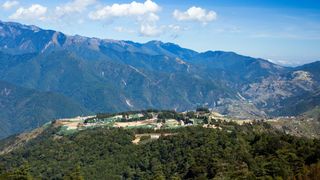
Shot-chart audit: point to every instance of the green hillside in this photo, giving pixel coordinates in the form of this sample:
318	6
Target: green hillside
314	113
24	109
250	151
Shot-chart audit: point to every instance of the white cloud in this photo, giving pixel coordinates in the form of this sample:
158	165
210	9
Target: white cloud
122	10
35	11
145	14
195	14
74	6
121	29
9	4
150	30
177	28
80	21
148	26
152	17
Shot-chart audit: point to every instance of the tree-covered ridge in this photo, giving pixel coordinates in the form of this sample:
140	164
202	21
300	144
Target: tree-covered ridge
305	125
23	109
249	151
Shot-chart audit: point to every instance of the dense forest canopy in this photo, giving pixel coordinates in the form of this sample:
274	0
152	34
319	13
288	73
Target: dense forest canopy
249	151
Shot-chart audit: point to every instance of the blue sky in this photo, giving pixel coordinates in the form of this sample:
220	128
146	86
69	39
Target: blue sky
284	31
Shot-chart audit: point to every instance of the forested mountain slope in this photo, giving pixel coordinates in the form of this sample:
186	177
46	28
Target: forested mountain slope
229	152
24	109
113	75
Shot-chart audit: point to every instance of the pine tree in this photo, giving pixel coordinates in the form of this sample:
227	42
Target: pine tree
75	174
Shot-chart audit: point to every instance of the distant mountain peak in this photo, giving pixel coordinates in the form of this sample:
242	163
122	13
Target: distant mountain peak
218	53
19	25
155	42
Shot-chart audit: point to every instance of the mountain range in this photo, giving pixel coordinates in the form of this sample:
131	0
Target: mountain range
66	75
